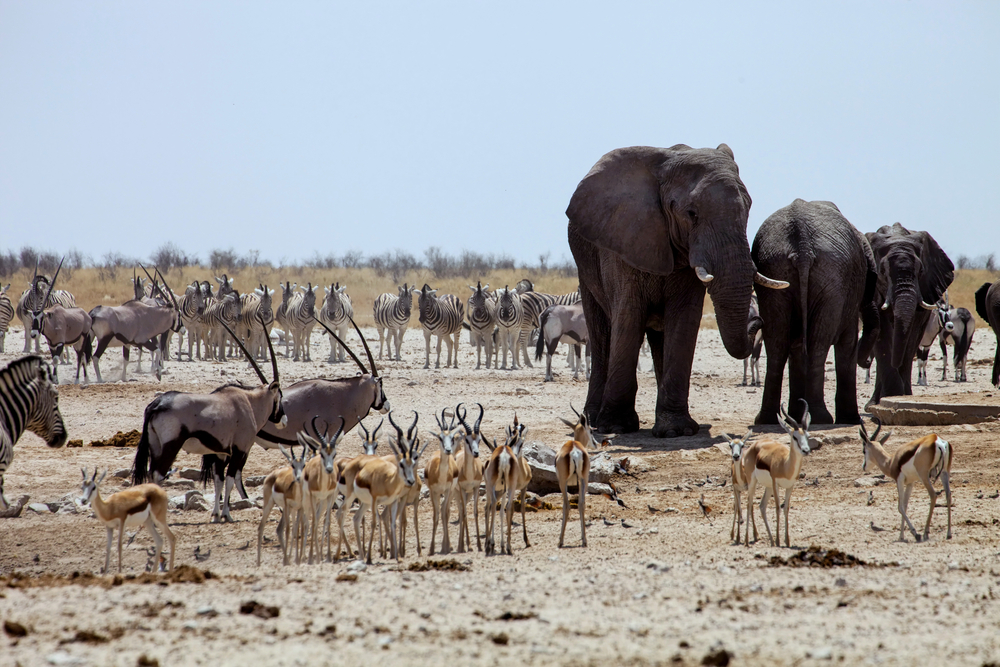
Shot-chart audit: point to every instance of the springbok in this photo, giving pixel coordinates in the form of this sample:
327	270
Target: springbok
283	488
774	465
345	486
379	481
470	478
509	473
142	505
923	459
320	483
219	426
441	474
573	467
735	450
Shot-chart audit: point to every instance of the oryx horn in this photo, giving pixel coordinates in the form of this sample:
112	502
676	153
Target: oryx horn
368	350
253	362
343	344
51	286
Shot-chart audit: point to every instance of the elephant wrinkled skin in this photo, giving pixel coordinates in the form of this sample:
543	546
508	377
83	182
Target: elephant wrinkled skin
649	229
988	307
833	277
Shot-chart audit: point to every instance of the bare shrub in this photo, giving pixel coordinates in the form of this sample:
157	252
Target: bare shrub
169	256
111	263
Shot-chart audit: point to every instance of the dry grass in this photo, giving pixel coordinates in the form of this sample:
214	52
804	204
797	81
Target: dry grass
364	285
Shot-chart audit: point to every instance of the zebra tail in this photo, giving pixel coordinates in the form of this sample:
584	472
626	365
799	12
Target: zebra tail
541	335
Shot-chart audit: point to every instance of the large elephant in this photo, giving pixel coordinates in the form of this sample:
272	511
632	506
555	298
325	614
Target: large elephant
648	228
913	273
988	307
833	276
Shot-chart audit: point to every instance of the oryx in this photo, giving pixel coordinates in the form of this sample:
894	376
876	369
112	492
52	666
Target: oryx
61	327
134	324
347	398
563	324
219	426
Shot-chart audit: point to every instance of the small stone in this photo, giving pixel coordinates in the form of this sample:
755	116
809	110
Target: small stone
193	474
841	582
718	657
521	391
194	501
357	566
256	480
121	474
653	531
40	508
191	625
241	504
500	639
62	658
14	629
865	482
207	611
657	566
822	653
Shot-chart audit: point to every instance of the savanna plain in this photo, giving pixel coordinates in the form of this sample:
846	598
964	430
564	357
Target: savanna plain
660	582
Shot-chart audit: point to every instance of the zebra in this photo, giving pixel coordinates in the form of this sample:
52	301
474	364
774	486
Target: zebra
289	295
29	401
31	297
534	303
392	313
301	317
482	320
224	311
256	319
510	314
191	306
442	317
6	315
336	312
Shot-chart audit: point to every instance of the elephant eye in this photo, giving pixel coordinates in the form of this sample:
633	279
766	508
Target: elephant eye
694	216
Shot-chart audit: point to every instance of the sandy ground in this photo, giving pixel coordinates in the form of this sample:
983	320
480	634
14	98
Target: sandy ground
652	587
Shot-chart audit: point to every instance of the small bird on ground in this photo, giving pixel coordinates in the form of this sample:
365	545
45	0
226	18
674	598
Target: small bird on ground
871	498
626	524
199	556
608	523
876	528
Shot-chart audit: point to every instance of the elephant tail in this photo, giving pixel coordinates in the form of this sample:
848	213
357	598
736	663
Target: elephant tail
804	264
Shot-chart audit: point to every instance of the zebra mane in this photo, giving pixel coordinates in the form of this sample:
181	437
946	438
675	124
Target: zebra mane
20	371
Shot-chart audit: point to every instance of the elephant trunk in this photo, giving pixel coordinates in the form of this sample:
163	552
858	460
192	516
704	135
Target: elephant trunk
904	307
730	290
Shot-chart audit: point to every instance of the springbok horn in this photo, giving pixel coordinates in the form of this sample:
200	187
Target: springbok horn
395	426
367	434
326	430
703	275
480	420
571	408
878	428
375	432
763	280
253	362
51	286
409	433
785	415
344	345
368	350
460	413
340	431
806	419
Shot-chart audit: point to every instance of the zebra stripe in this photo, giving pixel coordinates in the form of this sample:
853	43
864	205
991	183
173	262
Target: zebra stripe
6	315
256	307
442	317
301	320
510	314
288	294
226	310
191	306
482	319
336	310
28	401
392	313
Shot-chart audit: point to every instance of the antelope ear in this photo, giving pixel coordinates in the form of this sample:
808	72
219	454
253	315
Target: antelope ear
567	422
886	437
307	440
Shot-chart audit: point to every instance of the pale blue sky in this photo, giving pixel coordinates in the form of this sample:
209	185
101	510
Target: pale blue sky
296	127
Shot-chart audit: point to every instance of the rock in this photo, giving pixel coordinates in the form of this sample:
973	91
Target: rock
521	391
63	658
176	502
932	411
657	566
14	629
542	461
241	504
68	508
256	480
15	508
192	474
822	653
865	482
194	501
40	508
597	489
718	657
122	474
357	566
177	484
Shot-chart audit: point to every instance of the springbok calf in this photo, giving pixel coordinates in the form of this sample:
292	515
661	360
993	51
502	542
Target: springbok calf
320	483
441	473
563	324
380	481
508	472
923	459
735	450
573	467
283	488
142	505
470	477
774	465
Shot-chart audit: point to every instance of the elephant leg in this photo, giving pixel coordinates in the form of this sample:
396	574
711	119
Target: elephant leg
655	339
846	360
681	319
815	372
599	327
777	357
798	373
618	413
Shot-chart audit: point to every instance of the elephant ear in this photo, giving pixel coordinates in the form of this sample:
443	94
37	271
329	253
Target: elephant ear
827	203
617	207
981	308
938	272
870	320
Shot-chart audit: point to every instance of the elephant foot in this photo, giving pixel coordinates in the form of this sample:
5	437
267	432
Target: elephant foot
766	417
624	421
848	416
674	426
823	416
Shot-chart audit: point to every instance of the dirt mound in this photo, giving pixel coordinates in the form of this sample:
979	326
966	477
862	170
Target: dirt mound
815	556
448	564
183	574
120	439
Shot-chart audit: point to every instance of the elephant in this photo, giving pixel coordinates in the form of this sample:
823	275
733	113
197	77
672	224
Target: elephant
833	276
988	307
913	273
648	228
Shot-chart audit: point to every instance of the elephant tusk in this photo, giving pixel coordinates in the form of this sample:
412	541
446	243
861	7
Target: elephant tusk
885	306
703	275
926	306
761	279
